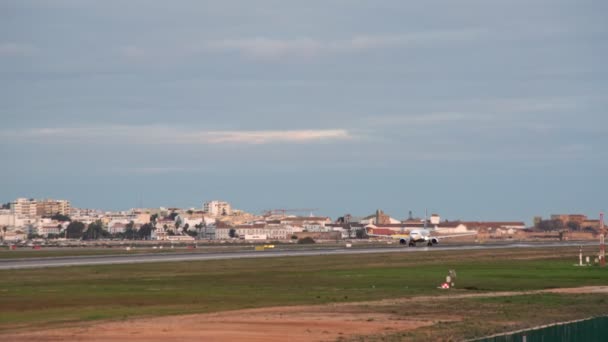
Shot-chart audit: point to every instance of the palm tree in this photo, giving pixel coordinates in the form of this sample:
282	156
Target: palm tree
4	232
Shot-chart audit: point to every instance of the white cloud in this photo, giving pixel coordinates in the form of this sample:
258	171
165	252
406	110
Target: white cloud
265	48
149	135
266	137
271	49
154	170
423	119
531	112
16	50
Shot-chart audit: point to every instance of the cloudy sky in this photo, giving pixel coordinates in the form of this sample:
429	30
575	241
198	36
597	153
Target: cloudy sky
474	109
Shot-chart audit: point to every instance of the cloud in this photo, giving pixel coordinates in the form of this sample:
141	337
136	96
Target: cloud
154	170
272	49
265	137
423	119
16	50
497	111
265	48
171	135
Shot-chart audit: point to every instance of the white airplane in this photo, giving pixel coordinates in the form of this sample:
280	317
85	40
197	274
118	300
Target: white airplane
420	236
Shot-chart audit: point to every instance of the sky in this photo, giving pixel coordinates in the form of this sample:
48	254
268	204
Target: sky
473	109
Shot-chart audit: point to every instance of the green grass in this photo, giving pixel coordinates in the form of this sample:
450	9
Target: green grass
39	297
488	316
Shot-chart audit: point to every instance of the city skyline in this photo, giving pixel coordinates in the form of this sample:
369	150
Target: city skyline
474	110
217	208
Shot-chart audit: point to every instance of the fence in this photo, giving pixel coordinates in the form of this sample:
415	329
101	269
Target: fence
588	330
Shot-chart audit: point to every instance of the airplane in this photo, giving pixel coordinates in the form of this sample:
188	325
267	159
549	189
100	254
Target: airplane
419	236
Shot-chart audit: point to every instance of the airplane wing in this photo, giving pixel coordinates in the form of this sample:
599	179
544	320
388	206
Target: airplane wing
394	236
440	237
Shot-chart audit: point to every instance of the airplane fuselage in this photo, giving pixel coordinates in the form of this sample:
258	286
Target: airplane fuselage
420	236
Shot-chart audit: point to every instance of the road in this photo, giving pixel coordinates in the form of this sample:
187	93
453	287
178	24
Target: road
146	258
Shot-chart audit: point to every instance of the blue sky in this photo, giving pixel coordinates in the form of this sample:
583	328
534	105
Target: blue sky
472	109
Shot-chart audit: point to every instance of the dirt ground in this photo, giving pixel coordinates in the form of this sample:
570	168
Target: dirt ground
297	323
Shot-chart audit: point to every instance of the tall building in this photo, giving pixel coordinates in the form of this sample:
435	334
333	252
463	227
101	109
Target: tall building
50	207
31	208
24	208
217	208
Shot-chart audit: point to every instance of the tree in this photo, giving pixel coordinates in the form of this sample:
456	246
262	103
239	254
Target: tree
185	228
130	231
145	231
61	218
190	212
173	215
153	218
192	233
224	212
198	229
75	230
95	231
361	233
6	205
4	228
232	233
32	236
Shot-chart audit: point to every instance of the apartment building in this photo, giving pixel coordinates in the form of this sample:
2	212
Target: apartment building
24	208
50	207
217	208
31	208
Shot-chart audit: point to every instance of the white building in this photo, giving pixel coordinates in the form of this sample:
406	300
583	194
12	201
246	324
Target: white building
7	218
24	208
45	230
435	219
270	231
15	235
217	208
115	227
192	222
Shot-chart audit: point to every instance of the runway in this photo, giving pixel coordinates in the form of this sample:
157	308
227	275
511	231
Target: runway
13	264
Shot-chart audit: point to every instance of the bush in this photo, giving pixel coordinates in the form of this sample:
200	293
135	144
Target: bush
306	240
